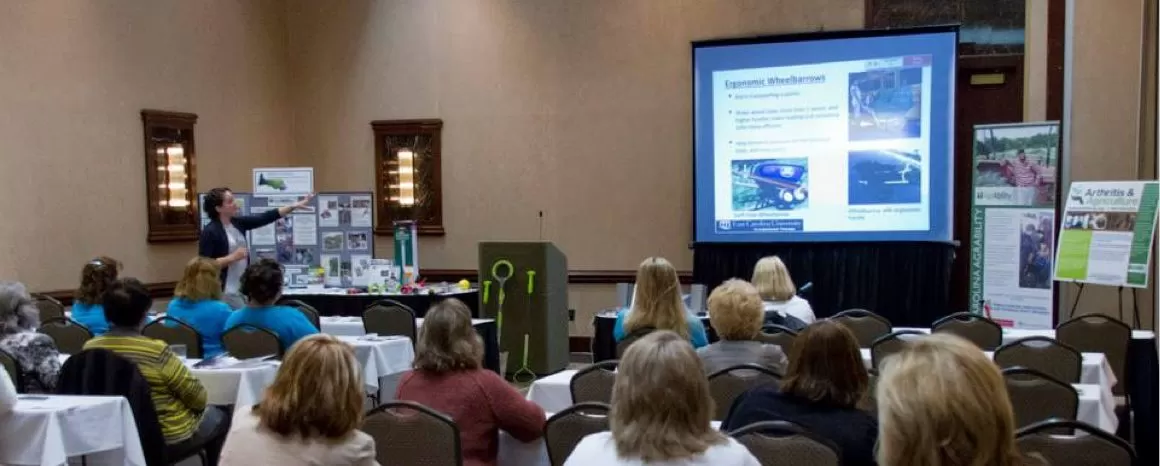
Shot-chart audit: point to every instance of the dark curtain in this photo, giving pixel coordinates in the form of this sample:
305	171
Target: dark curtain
907	283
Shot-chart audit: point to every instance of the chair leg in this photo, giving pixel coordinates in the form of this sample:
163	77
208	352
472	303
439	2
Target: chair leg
204	460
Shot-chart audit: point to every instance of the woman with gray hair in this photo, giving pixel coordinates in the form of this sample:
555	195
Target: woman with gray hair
35	353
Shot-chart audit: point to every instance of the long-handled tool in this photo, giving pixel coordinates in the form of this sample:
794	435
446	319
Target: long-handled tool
501	280
525	374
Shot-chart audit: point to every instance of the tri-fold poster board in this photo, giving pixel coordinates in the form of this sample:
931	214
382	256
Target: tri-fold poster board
334	233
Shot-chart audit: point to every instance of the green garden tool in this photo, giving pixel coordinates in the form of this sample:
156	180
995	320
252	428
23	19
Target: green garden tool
525	374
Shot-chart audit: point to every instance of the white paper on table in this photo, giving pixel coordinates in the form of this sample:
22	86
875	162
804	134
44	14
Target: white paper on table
360	211
360	264
305	230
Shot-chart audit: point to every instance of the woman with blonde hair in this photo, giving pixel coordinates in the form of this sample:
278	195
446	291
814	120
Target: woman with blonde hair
661	412
820	391
657	305
96	277
942	402
773	282
309	415
449	378
197	302
735	311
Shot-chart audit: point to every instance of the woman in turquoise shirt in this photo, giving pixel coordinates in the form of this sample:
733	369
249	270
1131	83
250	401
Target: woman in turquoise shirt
197	302
657	305
262	286
96	277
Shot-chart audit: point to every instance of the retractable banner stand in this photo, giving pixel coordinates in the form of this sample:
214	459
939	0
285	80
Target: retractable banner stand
1013	223
1106	233
407	250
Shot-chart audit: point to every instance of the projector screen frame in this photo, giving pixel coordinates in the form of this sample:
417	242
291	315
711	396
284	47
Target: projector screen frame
953	28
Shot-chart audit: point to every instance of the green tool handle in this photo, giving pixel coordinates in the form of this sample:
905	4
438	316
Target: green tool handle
486	290
502	295
525	351
531	281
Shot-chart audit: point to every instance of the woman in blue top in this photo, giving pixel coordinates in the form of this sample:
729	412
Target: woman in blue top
657	305
96	277
262	286
197	302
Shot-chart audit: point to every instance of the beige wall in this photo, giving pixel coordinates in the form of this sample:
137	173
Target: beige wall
75	76
1105	139
580	109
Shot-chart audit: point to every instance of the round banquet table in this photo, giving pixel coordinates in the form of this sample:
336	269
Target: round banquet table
341	304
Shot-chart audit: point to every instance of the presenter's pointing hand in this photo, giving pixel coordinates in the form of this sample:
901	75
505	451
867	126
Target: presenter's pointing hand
304	201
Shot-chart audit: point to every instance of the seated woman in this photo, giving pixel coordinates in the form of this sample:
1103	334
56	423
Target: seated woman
96	276
735	310
448	377
180	400
942	402
657	305
197	302
309	415
34	352
780	295
262	286
661	412
820	391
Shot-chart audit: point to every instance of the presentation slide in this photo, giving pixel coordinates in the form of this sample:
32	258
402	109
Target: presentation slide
824	138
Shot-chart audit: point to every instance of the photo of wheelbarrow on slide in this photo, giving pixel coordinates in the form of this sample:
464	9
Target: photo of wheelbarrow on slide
770	184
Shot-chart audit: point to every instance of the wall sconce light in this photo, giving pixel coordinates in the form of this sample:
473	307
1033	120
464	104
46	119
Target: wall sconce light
408	182
169	172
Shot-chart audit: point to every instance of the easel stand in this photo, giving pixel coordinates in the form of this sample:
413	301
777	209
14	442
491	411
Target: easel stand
1120	305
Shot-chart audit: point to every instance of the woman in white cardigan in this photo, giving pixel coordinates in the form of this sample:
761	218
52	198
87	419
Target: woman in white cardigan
777	290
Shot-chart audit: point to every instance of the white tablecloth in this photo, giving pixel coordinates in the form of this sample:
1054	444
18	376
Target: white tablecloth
47	432
381	357
1094	370
231	386
1097	406
352	326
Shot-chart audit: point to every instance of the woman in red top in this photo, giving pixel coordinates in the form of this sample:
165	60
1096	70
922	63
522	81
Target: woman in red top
449	378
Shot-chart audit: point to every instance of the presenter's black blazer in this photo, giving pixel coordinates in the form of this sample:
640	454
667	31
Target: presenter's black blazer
215	243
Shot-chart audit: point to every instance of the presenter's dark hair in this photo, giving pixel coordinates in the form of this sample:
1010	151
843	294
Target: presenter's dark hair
214	199
126	302
262	281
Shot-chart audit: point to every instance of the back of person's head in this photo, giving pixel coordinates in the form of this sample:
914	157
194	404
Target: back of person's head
17	311
826	366
447	341
736	310
96	276
772	279
202	280
942	402
657	299
262	282
661	406
318	391
126	302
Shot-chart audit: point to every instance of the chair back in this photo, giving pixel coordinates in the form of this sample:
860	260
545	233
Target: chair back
307	310
977	329
247	341
413	434
1043	354
1092	447
780	336
785	443
593	384
49	307
867	326
729	383
1096	333
176	332
565	429
390	317
891	343
12	366
68	335
1036	396
632	337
